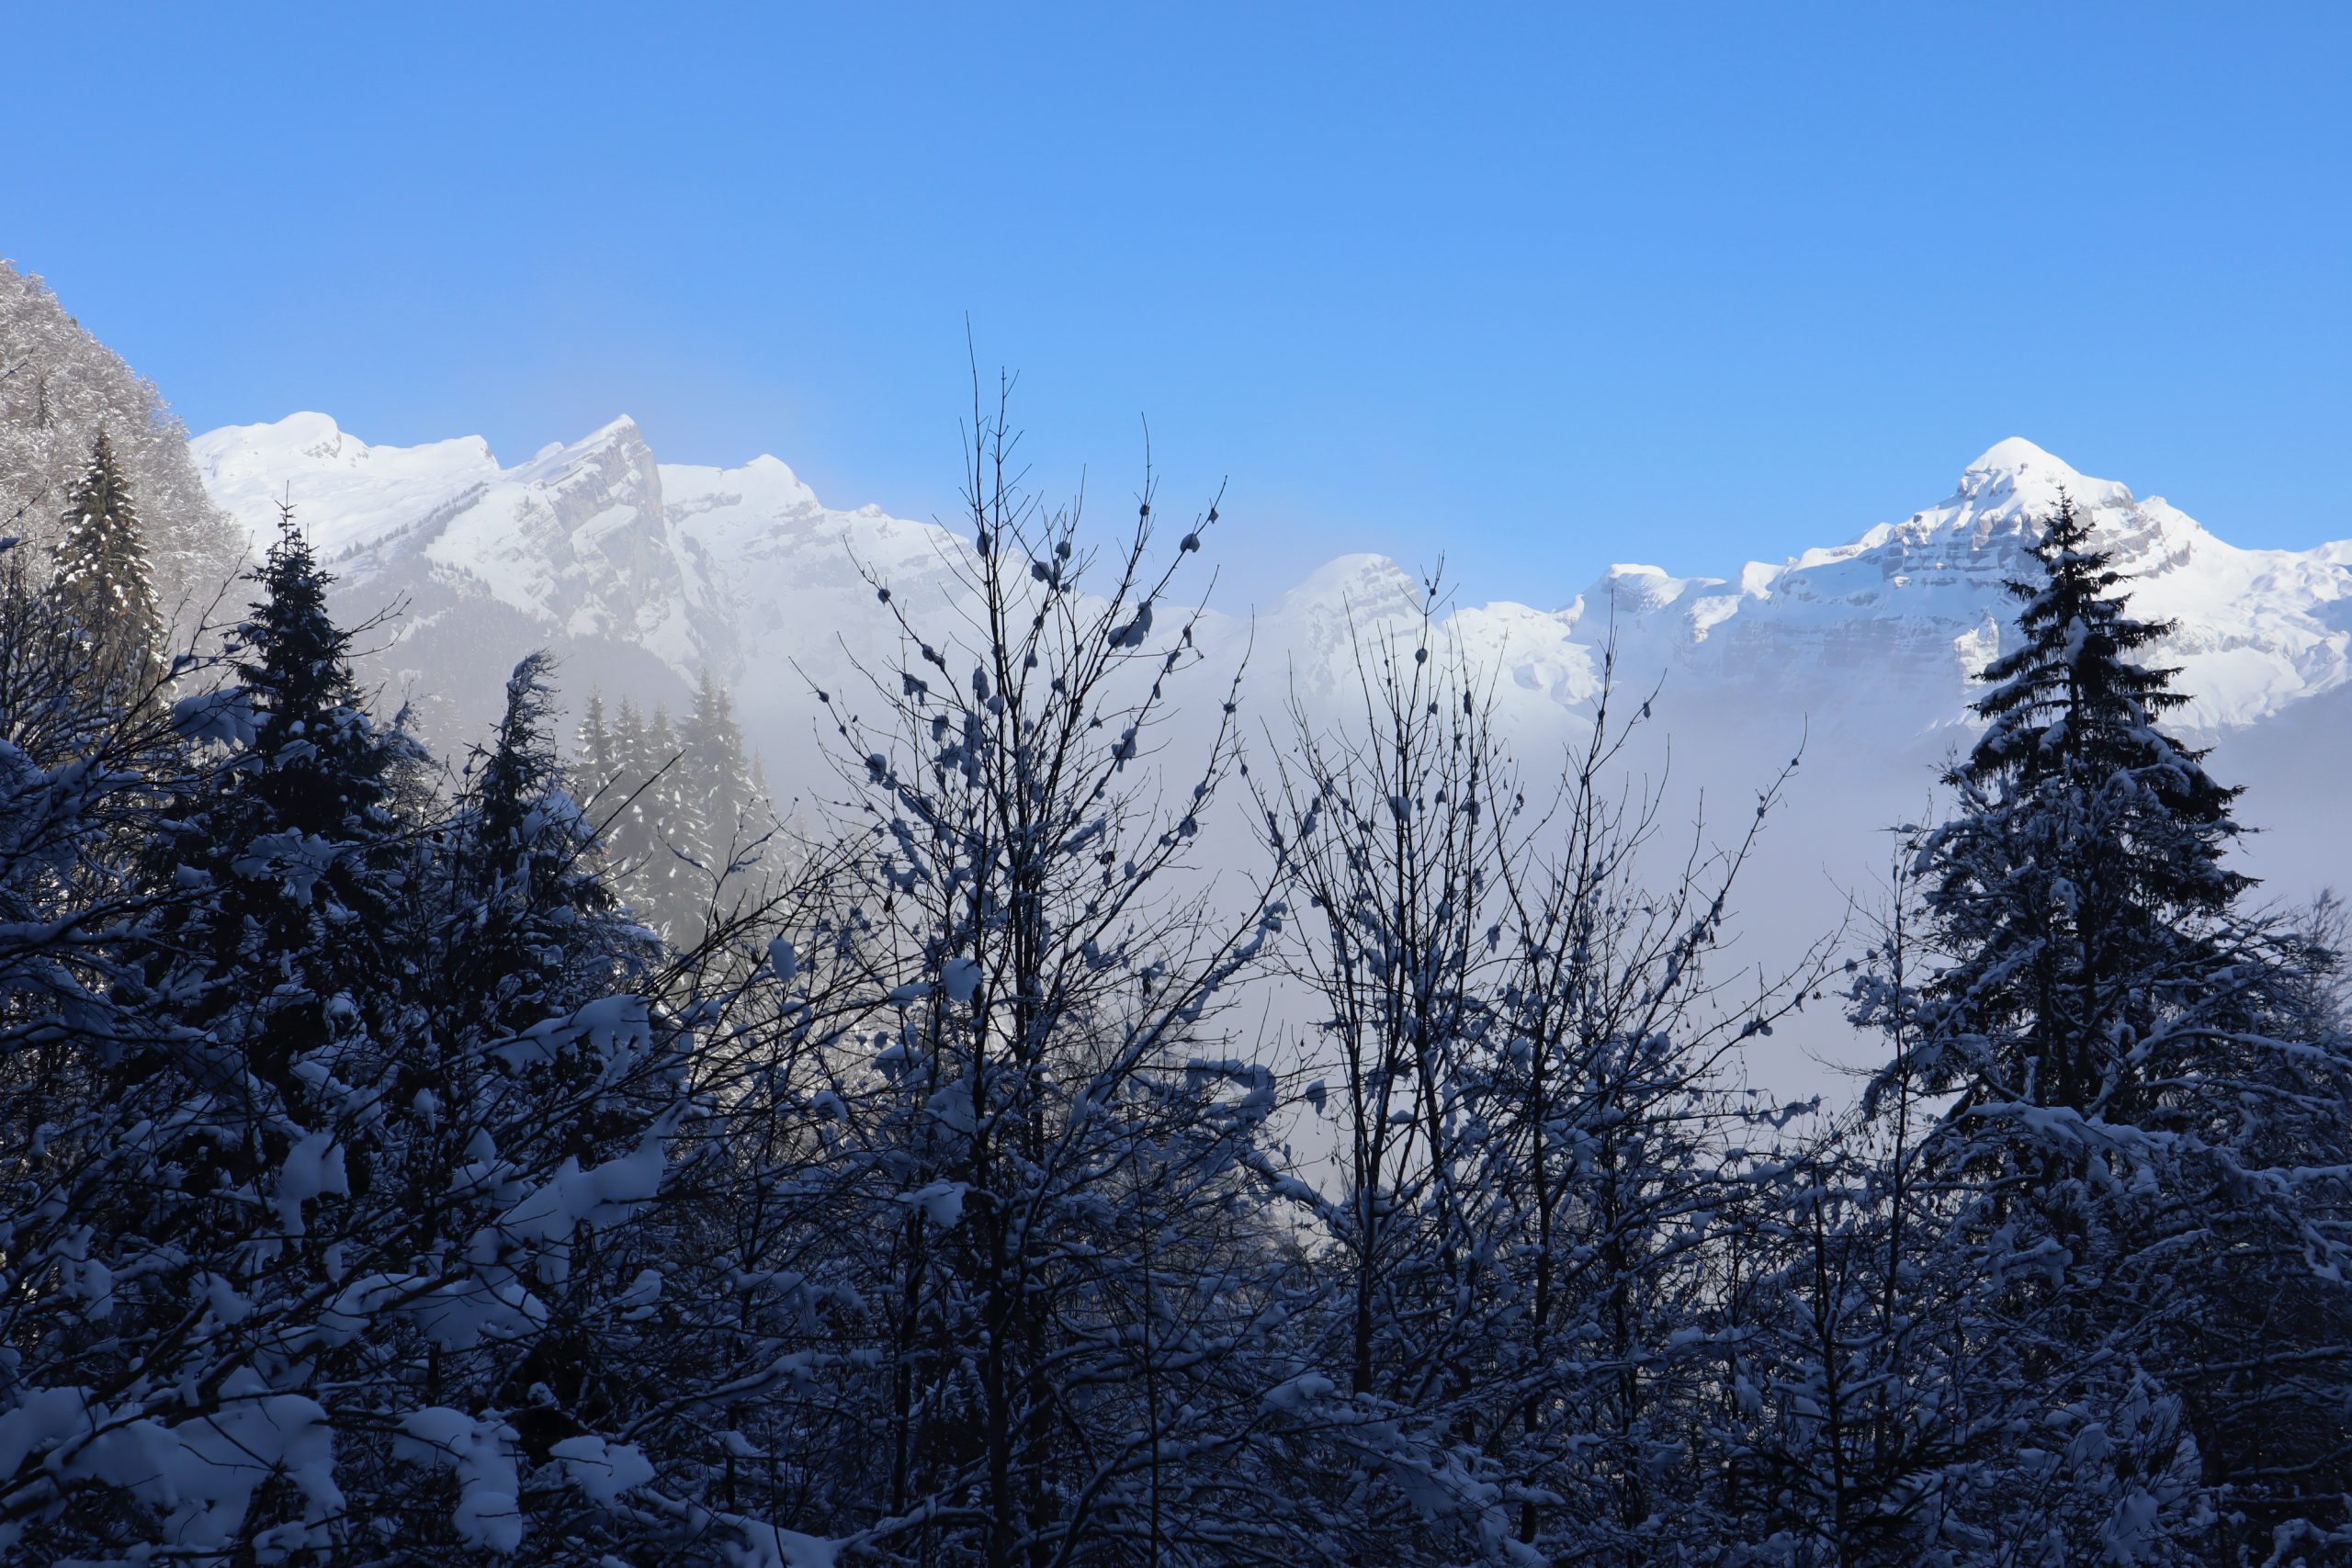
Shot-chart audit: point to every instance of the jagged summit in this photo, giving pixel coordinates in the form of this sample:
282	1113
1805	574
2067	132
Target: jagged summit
1904	613
1636	589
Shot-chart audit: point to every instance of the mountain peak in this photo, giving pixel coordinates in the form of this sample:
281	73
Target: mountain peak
1368	586
1636	588
2016	455
310	431
2016	480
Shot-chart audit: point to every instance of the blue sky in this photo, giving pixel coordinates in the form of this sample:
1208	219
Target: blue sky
1539	287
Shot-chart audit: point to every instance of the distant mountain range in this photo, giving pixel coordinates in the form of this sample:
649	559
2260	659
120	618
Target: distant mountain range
642	570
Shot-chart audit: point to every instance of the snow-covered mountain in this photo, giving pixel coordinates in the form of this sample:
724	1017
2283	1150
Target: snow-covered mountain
637	572
1911	609
601	546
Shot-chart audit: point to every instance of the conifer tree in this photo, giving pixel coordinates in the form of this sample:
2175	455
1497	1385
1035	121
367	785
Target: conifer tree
333	1128
592	743
721	839
669	885
59	389
2108	1026
718	775
102	577
526	875
682	811
292	836
632	831
2077	892
2088	847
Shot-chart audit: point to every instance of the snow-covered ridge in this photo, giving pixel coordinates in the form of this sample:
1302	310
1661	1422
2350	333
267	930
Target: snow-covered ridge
745	570
1910	609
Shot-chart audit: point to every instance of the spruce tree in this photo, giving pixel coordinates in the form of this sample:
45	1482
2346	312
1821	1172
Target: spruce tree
2087	856
592	744
2130	1146
524	876
727	821
102	577
718	775
326	1246
667	881
631	833
293	836
514	932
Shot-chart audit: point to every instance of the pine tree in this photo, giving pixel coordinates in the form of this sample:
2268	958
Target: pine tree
2107	1027
726	806
293	836
592	744
2088	852
102	577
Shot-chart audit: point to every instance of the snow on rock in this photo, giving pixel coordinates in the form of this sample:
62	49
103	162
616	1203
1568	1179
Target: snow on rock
591	546
351	497
1905	612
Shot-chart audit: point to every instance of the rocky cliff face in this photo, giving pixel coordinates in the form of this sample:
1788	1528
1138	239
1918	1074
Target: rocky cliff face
58	387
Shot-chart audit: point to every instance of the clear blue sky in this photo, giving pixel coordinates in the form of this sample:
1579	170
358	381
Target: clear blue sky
1539	287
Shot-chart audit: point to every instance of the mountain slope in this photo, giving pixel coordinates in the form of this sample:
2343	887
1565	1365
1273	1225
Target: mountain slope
637	574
